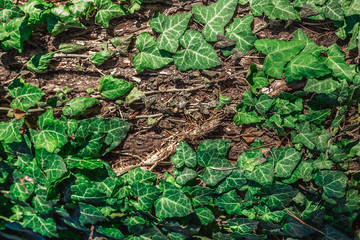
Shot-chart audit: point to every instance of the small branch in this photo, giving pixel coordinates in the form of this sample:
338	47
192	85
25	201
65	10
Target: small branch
28	111
122	172
223	169
58	55
177	90
4	192
149	116
309	226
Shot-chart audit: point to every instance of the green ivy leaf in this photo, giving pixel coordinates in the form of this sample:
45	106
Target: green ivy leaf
325	86
172	203
100	57
333	182
278	195
336	62
113	88
353	8
50	137
22	191
280	9
223	101
86	191
240	31
149	56
26	95
185	175
310	47
286	159
220	145
215	17
262	174
184	156
279	53
71	47
78	8
40	62
332	233
107	10
197	53
139	175
60	19
230	202
145	194
112	232
9	131
305	65
8	11
333	10
15	33
51	164
79	106
235	180
205	215
46	227
89	214
242	225
171	29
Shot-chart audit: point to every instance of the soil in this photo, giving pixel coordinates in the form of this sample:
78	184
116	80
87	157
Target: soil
167	108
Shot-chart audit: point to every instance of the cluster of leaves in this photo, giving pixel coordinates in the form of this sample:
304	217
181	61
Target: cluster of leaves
18	22
311	9
196	52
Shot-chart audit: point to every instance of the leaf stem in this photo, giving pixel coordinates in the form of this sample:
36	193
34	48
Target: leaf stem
70	55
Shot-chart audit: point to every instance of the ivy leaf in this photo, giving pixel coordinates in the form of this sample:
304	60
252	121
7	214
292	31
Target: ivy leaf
150	56
79	106
332	233
86	191
240	31
107	10
50	137
336	62
262	174
286	159
279	53
205	215
22	191
220	145
70	48
89	214
242	225
145	194
172	203
223	101
139	175
215	17
235	180
112	232
8	11
280	9
9	131
333	182
40	62
78	8
197	53
60	19
171	29
122	44
353	8
325	86
279	195
213	161
52	165
184	156
46	227
15	33
26	95
310	47
74	162
333	10
256	78
185	175
246	117
100	57
305	65
230	202
304	136
113	88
